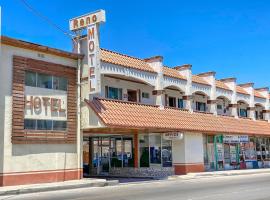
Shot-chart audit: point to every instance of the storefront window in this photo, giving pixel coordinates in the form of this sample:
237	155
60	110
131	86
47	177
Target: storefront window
144	150
155	149
166	153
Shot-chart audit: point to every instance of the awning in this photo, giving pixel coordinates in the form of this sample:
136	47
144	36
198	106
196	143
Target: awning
123	115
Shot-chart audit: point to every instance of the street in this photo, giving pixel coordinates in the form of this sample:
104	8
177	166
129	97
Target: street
248	187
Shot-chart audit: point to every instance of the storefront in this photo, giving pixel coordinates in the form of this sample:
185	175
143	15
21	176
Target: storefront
228	152
105	155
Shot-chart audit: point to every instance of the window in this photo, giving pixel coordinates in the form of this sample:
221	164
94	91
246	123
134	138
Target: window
34	79
44	125
242	112
32	124
113	93
200	106
144	150
30	79
219	107
59	125
172	101
44	81
180	103
59	83
155	149
166	153
145	95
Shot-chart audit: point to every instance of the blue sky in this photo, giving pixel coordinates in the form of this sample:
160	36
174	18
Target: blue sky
229	37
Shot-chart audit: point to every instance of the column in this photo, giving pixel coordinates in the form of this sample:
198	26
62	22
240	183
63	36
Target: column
233	110
251	113
159	97
188	102
188	154
212	106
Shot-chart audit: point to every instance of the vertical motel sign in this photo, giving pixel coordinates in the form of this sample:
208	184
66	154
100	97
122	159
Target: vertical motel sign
91	23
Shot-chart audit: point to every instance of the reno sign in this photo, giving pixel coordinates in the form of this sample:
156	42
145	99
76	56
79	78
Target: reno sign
84	21
91	22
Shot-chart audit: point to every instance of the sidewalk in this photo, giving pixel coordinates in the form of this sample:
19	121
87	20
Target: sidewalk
220	174
44	187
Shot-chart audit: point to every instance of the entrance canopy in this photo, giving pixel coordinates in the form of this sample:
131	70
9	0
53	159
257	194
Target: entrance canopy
122	116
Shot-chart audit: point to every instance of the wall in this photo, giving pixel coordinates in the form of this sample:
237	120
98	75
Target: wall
22	158
125	85
188	154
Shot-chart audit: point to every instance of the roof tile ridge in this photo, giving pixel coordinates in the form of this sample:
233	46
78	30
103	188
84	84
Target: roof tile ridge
122	54
124	101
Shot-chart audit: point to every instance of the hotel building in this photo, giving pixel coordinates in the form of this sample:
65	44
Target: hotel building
148	120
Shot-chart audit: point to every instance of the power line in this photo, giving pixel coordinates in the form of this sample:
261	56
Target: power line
37	13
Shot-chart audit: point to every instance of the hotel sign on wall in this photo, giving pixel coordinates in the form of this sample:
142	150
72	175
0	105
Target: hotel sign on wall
91	22
45	107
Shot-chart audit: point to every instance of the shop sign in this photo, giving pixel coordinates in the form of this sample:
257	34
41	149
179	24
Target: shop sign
93	58
235	139
173	136
45	107
86	20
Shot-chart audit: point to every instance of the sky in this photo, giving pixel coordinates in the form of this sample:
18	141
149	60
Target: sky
230	37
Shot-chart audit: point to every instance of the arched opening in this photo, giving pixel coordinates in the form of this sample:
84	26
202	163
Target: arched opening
200	101
259	111
223	106
125	88
174	97
242	108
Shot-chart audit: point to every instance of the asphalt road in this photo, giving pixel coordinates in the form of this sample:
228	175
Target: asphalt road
248	187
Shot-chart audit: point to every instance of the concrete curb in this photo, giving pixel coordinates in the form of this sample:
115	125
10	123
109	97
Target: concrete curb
220	174
58	187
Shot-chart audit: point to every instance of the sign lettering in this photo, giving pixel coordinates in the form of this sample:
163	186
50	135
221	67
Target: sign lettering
86	20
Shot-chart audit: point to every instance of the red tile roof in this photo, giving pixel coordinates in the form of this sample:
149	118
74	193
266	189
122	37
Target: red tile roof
258	94
172	73
241	90
121	114
124	60
220	84
200	80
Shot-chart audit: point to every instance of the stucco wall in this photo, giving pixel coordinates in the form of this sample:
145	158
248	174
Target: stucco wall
29	157
189	149
125	85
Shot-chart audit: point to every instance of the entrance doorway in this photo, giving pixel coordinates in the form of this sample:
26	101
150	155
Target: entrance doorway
106	152
132	95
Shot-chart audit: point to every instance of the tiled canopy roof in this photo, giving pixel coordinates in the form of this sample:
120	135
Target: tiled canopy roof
124	60
121	114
